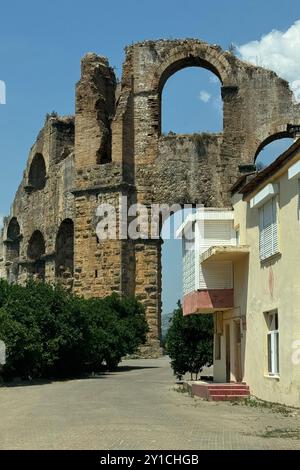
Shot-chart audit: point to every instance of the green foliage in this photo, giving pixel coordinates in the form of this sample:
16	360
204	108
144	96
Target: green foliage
189	342
50	332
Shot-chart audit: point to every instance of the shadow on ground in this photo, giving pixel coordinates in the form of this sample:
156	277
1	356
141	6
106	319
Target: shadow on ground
18	382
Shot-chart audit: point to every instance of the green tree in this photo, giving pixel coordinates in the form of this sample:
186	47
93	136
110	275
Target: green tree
51	332
189	342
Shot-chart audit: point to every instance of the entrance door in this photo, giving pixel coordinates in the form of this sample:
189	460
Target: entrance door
228	365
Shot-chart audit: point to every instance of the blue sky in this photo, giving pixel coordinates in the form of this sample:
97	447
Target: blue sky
41	44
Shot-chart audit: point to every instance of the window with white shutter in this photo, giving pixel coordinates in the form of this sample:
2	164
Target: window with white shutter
268	230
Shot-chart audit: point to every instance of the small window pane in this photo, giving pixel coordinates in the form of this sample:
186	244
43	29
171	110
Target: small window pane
273	343
276	352
276	321
269	354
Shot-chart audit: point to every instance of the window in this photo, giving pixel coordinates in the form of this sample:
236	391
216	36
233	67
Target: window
273	343
268	232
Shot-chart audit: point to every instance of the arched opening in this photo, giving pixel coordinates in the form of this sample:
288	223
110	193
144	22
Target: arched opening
13	240
64	250
37	172
104	153
13	249
191	101
271	148
35	253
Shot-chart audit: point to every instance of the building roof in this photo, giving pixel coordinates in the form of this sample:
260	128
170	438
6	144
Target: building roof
267	172
241	181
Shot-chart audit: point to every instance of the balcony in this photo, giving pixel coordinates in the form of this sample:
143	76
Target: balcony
208	301
224	253
215	292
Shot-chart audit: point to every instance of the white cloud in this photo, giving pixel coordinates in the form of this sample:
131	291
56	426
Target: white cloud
213	79
295	87
204	96
278	51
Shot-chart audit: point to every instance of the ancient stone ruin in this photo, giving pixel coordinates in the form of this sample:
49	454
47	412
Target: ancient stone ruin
113	146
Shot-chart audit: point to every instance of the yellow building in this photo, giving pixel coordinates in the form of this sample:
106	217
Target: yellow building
257	332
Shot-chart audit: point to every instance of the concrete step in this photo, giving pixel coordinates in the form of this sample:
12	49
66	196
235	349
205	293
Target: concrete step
222	391
219	392
226	397
228	387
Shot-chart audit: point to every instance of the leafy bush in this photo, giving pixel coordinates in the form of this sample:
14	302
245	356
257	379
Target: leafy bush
50	332
189	342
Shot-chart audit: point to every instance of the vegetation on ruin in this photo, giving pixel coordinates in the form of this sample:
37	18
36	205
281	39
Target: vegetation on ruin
50	332
189	343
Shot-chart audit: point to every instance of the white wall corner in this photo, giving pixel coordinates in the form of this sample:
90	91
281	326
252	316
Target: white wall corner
294	171
264	195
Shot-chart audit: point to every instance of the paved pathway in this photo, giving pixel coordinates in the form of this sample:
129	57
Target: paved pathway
134	408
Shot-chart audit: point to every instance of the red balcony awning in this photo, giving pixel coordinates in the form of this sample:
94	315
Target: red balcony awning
208	301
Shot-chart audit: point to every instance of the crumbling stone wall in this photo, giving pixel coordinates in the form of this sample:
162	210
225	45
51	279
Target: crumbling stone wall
43	208
113	147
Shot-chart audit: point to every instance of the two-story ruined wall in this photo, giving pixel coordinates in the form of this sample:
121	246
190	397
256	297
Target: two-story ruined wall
42	203
114	148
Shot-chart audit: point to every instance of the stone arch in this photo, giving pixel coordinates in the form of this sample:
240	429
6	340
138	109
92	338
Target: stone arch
190	55
64	250
37	172
13	239
35	253
284	134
